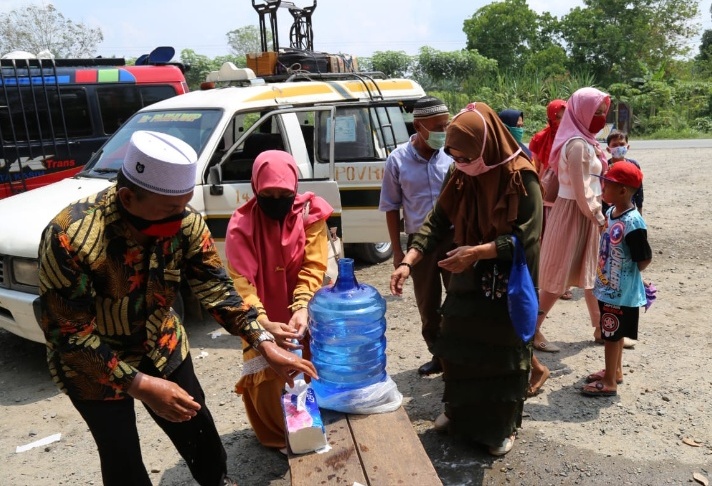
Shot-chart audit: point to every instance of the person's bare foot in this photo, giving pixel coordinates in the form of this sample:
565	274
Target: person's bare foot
537	380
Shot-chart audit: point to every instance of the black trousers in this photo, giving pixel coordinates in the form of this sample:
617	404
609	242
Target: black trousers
113	425
428	289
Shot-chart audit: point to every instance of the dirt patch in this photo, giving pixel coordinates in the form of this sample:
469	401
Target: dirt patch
642	436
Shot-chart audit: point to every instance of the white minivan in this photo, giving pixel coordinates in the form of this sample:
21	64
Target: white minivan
340	129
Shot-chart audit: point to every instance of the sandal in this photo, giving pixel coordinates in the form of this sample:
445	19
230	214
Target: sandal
598	376
598	389
567	295
547	347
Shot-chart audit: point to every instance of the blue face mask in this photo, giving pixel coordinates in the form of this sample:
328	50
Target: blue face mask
619	152
517	133
436	140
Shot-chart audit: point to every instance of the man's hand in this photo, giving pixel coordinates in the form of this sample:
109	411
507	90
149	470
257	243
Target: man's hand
286	364
459	259
165	398
398	278
300	322
284	334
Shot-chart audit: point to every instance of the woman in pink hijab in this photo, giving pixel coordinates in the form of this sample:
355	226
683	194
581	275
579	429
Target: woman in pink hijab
570	244
276	247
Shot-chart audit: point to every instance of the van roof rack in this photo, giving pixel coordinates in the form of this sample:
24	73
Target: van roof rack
157	57
310	76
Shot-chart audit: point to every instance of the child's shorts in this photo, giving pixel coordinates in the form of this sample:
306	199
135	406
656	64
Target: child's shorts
618	321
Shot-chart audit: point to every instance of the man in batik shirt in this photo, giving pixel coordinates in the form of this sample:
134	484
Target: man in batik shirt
111	267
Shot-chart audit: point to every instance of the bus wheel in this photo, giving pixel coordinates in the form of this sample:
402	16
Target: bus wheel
374	252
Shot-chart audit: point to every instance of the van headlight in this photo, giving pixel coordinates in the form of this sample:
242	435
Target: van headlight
25	271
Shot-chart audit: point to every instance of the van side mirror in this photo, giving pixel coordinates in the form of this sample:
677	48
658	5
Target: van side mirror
215	179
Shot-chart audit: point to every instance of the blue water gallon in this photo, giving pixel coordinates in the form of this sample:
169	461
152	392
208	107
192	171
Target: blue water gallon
347	322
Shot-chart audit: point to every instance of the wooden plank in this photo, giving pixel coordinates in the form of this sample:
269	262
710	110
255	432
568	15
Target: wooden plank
340	465
390	450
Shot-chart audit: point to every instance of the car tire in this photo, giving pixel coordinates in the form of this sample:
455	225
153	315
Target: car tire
374	252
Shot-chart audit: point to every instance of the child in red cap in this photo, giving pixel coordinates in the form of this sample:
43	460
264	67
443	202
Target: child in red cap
624	253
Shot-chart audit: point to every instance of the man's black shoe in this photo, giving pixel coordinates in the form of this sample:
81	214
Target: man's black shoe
431	367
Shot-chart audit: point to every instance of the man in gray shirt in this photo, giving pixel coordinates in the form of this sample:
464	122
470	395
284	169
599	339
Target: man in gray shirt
412	181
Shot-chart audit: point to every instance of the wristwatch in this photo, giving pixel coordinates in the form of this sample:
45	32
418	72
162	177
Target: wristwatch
262	337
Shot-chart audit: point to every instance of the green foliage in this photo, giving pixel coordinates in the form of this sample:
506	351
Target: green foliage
452	68
503	31
247	39
200	66
393	63
623	39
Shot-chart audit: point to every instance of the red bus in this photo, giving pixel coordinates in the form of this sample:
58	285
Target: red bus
54	114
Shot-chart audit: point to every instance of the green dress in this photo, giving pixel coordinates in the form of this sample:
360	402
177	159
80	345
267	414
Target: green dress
485	364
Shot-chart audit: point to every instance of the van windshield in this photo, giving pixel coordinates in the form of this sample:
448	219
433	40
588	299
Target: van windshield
192	126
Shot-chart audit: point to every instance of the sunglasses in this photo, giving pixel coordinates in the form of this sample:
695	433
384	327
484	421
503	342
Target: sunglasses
461	160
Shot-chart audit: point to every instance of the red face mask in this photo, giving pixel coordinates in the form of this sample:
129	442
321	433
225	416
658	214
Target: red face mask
597	123
161	228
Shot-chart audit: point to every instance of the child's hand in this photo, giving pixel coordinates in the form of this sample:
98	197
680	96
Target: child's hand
650	294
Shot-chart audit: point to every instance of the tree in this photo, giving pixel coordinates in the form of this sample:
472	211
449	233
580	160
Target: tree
36	28
392	63
247	39
625	39
442	68
201	65
503	31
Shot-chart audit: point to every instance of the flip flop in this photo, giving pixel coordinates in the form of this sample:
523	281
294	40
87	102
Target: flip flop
567	295
598	376
598	389
547	347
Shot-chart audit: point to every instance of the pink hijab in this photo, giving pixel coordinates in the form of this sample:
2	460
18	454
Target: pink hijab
580	108
266	252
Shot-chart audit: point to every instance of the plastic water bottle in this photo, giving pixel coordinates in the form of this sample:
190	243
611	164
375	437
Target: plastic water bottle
347	324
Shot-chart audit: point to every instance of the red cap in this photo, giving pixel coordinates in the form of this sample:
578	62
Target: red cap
626	173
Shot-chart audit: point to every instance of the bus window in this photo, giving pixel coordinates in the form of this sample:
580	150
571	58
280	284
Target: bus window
42	116
117	104
154	94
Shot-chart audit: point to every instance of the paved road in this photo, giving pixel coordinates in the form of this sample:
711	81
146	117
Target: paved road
671	144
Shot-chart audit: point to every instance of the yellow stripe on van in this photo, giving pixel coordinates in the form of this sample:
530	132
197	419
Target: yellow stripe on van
305	89
403	84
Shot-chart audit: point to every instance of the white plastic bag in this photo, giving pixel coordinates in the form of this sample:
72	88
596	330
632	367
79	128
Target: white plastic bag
380	397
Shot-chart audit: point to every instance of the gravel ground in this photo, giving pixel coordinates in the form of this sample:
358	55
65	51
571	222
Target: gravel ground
656	431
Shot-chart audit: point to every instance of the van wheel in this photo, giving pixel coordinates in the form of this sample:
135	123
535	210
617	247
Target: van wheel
375	252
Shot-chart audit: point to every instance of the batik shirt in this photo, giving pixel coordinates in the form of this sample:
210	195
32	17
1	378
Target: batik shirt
106	300
624	243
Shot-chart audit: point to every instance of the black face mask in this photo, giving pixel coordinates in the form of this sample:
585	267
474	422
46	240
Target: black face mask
275	207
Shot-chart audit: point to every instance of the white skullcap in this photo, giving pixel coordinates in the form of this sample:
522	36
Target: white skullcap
160	163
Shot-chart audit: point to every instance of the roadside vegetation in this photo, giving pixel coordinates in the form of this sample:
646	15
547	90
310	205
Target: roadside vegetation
643	52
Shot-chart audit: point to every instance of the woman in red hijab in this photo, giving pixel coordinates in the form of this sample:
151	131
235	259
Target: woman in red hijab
276	247
541	142
540	147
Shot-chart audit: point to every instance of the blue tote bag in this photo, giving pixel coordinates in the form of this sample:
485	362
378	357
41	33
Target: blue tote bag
522	299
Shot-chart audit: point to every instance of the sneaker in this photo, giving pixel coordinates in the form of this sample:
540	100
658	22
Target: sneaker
441	423
504	447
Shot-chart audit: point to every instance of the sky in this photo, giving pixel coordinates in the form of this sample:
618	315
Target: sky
135	27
